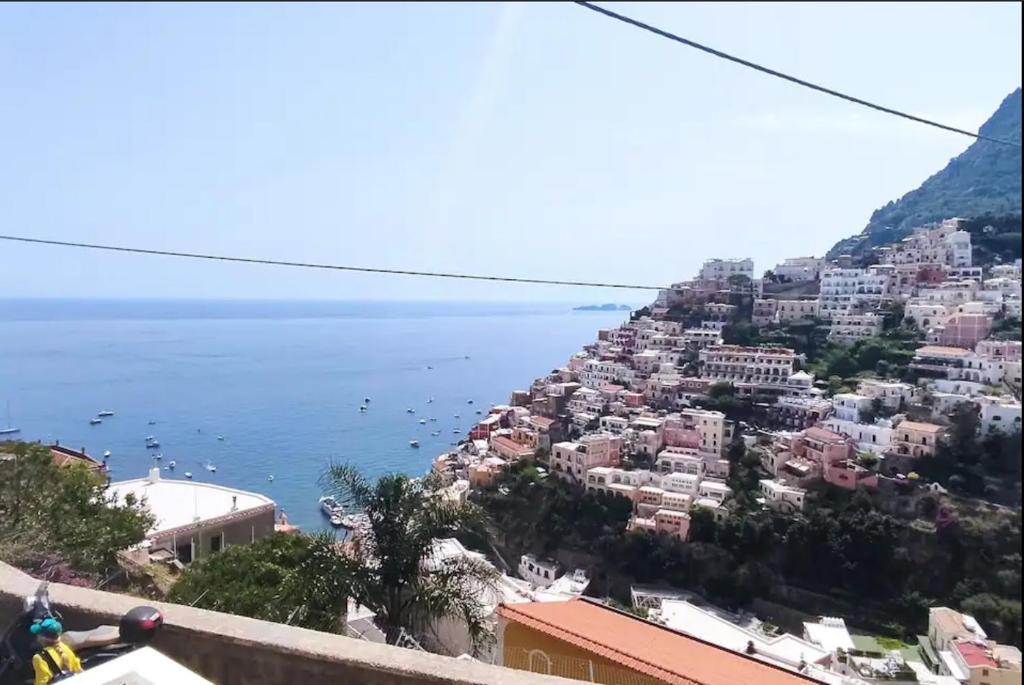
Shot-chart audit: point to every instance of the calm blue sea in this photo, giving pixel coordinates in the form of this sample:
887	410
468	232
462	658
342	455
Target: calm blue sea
280	381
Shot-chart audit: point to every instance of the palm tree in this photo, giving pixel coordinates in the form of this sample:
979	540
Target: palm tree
393	568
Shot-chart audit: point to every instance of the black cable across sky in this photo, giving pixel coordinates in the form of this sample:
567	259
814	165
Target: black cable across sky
330	267
786	77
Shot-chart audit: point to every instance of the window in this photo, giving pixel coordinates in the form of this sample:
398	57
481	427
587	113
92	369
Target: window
216	543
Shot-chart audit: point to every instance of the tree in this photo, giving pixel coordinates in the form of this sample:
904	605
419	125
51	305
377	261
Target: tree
392	569
63	515
296	579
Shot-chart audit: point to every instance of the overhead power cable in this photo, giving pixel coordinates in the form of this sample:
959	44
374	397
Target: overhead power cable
331	267
786	77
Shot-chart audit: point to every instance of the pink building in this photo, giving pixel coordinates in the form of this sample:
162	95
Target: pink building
822	446
483	430
672	522
485	473
507	448
574	459
633	399
849	475
961	330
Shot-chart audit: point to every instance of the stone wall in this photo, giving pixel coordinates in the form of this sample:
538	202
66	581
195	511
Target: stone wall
233	650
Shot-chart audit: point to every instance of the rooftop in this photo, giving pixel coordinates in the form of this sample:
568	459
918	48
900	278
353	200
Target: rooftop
940	351
178	503
920	427
645	647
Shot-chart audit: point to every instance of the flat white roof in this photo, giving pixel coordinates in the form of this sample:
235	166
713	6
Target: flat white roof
830	636
177	503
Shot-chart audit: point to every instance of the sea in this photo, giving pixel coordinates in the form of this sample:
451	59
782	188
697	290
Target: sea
260	389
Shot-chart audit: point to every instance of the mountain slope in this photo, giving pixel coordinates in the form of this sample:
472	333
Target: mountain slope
984	179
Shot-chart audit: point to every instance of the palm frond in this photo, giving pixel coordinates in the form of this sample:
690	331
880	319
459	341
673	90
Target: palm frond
345	482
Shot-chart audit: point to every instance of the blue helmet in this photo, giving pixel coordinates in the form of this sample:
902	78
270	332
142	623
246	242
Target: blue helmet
48	627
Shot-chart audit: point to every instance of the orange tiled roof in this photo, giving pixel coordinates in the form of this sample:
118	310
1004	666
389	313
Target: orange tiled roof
62	456
646	647
919	426
823	434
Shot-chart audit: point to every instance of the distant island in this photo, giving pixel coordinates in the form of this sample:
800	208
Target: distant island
603	308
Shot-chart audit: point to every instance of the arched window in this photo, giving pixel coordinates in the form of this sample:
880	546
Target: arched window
543	661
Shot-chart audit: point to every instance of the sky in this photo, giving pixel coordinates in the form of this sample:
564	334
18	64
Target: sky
539	140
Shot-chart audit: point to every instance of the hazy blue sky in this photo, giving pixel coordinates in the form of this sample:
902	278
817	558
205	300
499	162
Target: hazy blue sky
530	140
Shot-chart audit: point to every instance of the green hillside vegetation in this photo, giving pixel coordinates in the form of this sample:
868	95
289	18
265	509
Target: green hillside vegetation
984	180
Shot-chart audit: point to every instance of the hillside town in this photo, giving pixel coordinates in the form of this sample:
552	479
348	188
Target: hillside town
629	416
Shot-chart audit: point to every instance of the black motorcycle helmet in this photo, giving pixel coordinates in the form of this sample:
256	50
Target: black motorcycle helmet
140	625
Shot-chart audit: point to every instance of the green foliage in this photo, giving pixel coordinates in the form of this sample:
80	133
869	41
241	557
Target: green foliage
295	579
386	567
52	514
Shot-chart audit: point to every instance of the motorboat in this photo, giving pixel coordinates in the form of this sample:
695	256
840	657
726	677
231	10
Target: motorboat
414	443
151	423
152	445
478	412
469	401
158	456
366	400
436	433
270	478
456	431
105	412
363	408
212	468
106	454
330	506
410	411
430	401
93	422
430	368
220	437
150	438
433	419
456	416
171	464
188	474
422	421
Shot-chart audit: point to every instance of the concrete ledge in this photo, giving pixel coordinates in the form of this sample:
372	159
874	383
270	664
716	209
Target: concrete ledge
234	650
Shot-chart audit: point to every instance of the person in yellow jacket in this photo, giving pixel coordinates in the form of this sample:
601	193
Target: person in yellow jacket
55	660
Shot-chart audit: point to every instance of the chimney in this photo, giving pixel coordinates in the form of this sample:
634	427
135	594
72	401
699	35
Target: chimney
234	502
154	474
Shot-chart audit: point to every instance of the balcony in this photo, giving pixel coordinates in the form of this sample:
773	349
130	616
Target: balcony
234	650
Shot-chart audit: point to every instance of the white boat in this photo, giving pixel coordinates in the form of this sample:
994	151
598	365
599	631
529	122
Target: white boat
430	401
212	468
422	421
105	412
363	408
188	474
171	464
270	478
436	433
220	437
456	431
410	411
414	443
93	422
152	445
106	454
150	438
456	416
158	456
9	430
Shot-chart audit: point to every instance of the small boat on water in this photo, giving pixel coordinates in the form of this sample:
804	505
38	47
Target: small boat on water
414	443
430	368
220	437
152	445
469	401
456	416
171	464
430	401
105	412
410	411
422	421
158	456
212	468
188	474
332	510
456	431
436	433
270	478
363	408
151	423
150	438
478	412
433	419
93	422
9	429
106	454
366	400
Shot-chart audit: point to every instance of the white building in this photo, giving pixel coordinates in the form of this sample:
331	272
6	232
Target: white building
771	366
870	437
844	289
193	519
722	269
848	406
846	329
999	413
800	268
780	496
893	394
